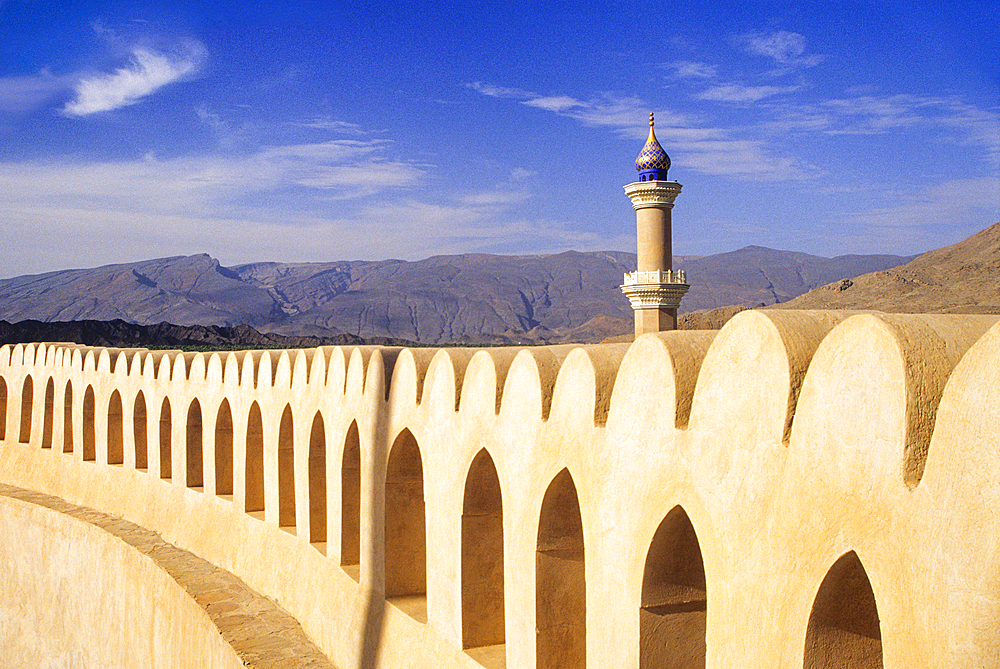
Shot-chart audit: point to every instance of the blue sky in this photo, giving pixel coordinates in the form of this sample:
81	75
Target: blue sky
313	131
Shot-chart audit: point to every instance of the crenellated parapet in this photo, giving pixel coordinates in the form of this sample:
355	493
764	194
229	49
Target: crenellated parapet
798	488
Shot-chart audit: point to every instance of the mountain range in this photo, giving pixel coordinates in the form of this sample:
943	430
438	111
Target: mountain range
472	298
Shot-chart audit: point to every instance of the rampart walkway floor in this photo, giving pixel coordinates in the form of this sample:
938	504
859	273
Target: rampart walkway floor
263	634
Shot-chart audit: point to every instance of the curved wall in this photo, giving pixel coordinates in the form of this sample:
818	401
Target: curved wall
788	439
73	595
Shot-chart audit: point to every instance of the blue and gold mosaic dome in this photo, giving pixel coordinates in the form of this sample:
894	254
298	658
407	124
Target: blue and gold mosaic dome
653	162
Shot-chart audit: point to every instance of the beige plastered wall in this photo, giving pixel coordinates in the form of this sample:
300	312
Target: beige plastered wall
74	596
788	438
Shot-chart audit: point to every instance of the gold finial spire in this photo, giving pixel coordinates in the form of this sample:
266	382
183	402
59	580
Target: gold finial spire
653	157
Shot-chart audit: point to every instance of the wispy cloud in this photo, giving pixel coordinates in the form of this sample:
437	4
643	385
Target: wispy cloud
693	70
330	124
705	148
500	91
556	103
316	201
785	48
742	94
976	199
146	72
940	118
25	93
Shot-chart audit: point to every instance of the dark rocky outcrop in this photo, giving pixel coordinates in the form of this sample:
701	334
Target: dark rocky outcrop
119	334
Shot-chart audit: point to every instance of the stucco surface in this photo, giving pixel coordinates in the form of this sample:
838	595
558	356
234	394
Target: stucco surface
753	460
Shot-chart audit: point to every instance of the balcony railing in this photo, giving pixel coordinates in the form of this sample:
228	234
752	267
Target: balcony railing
655	276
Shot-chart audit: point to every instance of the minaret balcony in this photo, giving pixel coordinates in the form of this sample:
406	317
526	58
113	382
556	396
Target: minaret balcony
655	276
656	289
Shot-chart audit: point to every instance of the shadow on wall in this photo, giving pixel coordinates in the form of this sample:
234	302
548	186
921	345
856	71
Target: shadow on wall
560	579
674	609
844	628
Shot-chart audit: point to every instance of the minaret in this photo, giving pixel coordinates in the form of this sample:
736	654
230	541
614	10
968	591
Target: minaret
654	289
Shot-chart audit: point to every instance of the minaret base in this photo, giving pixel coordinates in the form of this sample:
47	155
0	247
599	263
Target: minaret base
654	320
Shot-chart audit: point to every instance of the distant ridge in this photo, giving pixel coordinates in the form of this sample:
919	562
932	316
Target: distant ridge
462	299
119	334
963	278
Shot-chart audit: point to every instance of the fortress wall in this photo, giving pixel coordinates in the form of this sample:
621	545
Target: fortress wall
693	499
75	596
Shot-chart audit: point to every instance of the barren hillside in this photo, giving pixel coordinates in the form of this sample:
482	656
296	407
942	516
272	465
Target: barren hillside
961	279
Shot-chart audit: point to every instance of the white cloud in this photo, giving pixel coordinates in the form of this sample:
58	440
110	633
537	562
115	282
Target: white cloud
978	126
938	119
693	70
555	103
739	94
785	48
303	202
973	201
146	72
499	91
331	124
707	149
26	93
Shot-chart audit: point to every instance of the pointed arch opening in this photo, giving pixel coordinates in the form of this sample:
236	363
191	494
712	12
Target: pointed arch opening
674	603
405	528
224	450
3	408
194	447
286	469
89	424
560	579
68	418
116	430
48	418
254	463
317	481
140	432
482	556
166	440
350	501
27	406
844	629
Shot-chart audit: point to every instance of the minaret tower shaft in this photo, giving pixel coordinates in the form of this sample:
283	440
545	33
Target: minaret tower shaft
654	289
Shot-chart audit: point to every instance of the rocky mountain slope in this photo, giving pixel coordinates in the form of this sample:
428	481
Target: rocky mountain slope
473	298
962	278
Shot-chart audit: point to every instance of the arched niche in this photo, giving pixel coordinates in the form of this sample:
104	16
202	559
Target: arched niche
560	579
116	430
89	424
674	604
68	418
166	440
482	556
48	417
254	462
844	630
224	449
350	499
317	480
140	431
286	469
27	407
405	529
194	446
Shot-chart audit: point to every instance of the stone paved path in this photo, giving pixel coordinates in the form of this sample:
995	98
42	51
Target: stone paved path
263	634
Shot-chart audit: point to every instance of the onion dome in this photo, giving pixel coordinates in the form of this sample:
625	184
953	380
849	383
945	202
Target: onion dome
653	162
